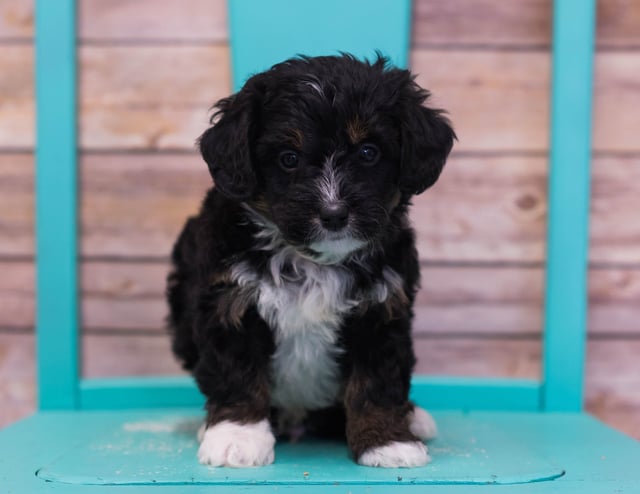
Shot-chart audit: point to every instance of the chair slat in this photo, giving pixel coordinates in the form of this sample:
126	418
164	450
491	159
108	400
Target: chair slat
56	205
265	33
568	216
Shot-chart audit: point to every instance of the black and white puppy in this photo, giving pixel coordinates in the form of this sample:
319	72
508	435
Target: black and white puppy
292	290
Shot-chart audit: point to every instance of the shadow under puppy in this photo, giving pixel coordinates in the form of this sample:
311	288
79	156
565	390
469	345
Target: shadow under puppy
292	290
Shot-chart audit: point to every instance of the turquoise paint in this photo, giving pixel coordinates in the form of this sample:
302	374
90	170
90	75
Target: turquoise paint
139	392
465	393
431	392
569	184
264	33
604	462
161	448
56	205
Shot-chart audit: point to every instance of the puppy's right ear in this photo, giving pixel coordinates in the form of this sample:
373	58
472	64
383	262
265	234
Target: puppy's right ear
226	146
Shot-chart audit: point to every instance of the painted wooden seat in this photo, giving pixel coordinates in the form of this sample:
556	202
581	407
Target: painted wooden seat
134	434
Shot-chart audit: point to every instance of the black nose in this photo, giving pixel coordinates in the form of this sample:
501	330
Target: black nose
334	217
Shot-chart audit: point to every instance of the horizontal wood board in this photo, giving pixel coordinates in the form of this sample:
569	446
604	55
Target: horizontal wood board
484	209
485	23
156	97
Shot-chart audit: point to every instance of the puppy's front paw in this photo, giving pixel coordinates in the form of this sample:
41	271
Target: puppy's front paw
237	445
396	454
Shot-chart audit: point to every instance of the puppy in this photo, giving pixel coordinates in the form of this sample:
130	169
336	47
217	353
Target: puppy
291	291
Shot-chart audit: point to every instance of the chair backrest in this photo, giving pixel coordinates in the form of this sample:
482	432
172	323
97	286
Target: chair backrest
312	28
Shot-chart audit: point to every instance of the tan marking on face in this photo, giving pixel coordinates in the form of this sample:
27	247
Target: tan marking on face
356	130
260	205
296	138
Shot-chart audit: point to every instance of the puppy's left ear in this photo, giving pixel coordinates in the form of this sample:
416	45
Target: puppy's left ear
427	139
227	145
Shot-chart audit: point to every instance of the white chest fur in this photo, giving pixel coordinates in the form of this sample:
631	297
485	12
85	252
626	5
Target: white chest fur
305	306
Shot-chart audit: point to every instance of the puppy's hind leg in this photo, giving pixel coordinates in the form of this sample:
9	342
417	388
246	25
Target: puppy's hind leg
421	424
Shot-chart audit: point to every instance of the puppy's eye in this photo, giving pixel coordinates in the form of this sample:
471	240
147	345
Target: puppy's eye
369	154
289	160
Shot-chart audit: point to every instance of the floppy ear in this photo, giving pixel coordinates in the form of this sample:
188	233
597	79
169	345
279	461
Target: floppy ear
226	146
426	140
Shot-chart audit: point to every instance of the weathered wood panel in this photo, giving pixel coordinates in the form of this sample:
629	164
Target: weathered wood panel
16	204
136	205
484	209
17	376
16	19
143	20
525	23
489	23
482	22
156	97
129	296
141	97
495	99
617	23
17	294
615	208
17	108
149	355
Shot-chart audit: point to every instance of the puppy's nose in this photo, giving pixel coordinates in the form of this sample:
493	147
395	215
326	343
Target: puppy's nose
334	217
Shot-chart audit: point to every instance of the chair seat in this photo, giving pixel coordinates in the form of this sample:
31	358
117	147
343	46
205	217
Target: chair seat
156	449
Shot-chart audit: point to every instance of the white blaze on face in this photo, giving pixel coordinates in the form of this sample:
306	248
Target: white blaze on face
332	247
329	184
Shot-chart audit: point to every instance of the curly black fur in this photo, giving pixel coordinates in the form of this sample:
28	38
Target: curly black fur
261	226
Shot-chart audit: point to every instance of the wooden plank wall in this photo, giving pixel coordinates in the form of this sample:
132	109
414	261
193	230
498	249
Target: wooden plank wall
149	72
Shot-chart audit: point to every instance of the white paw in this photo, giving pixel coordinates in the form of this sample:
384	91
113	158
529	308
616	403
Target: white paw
237	445
396	454
421	424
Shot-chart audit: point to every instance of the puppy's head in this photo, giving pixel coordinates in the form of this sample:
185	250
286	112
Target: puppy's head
326	149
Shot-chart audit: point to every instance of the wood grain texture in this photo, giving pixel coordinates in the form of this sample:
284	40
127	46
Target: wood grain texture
483	22
16	19
16	204
142	97
492	23
17	376
484	208
136	205
17	108
148	20
523	24
612	370
617	23
156	97
460	300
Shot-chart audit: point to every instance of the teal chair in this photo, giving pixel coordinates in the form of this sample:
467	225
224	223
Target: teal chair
138	434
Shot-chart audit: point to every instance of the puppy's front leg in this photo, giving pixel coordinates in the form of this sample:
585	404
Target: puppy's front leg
380	431
233	374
